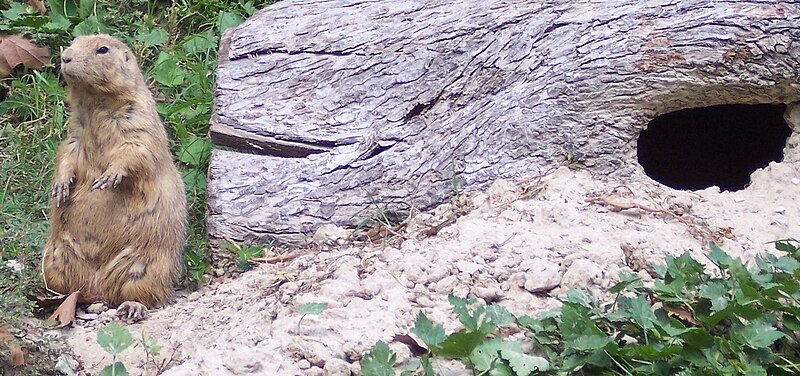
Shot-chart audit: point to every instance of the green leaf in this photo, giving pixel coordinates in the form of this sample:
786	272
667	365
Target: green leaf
15	11
472	314
194	151
580	332
167	71
114	339
154	37
227	20
91	25
86	8
312	308
459	344
759	334
195	180
787	264
499	315
698	338
200	43
431	334
485	356
625	280
721	259
379	361
641	313
717	293
524	365
116	369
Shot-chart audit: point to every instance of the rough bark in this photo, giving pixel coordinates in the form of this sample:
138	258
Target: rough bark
338	107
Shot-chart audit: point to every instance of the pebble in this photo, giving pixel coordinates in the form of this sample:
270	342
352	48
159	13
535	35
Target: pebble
582	274
337	367
796	181
304	364
540	275
468	267
96	308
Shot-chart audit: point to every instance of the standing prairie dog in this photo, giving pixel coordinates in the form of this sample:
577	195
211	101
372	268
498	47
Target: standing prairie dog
118	216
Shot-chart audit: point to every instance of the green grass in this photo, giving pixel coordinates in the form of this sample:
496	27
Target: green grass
178	56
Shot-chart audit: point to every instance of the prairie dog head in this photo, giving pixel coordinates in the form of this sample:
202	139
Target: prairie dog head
100	63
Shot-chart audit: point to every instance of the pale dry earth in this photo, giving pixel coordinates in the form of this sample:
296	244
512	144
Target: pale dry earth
522	244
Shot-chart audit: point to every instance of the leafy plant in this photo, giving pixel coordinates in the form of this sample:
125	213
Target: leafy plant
114	339
740	319
244	254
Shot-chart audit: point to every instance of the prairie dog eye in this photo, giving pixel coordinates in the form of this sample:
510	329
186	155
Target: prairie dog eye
102	50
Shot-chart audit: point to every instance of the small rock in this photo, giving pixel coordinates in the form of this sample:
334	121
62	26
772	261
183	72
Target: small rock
107	316
541	275
468	267
337	367
330	235
304	364
98	307
314	371
796	181
582	274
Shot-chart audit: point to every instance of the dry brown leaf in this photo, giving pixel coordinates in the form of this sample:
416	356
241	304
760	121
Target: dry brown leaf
39	5
17	354
16	50
413	345
65	313
683	315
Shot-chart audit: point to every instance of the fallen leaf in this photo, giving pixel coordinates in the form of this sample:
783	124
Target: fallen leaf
413	345
17	354
683	315
16	50
65	313
39	5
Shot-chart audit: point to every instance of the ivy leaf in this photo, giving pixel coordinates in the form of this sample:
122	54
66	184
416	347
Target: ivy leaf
379	361
312	308
524	365
580	332
116	369
459	344
114	339
485	356
499	315
721	259
717	293
641	313
759	334
431	334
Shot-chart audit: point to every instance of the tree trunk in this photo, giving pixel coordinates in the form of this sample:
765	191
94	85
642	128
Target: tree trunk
342	108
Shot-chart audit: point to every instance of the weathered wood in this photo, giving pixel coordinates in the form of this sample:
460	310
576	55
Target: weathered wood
391	100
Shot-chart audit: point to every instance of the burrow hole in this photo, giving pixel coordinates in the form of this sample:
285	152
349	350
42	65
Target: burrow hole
720	146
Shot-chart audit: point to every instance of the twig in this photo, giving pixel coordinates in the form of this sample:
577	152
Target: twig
694	228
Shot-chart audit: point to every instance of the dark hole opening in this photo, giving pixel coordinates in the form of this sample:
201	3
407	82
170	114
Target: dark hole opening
713	146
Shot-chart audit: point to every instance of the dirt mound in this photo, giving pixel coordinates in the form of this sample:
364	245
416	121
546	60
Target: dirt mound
522	244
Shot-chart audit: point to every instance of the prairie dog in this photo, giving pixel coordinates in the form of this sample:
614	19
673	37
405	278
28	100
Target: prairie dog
118	212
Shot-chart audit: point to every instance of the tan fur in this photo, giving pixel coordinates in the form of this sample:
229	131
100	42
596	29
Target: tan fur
118	216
